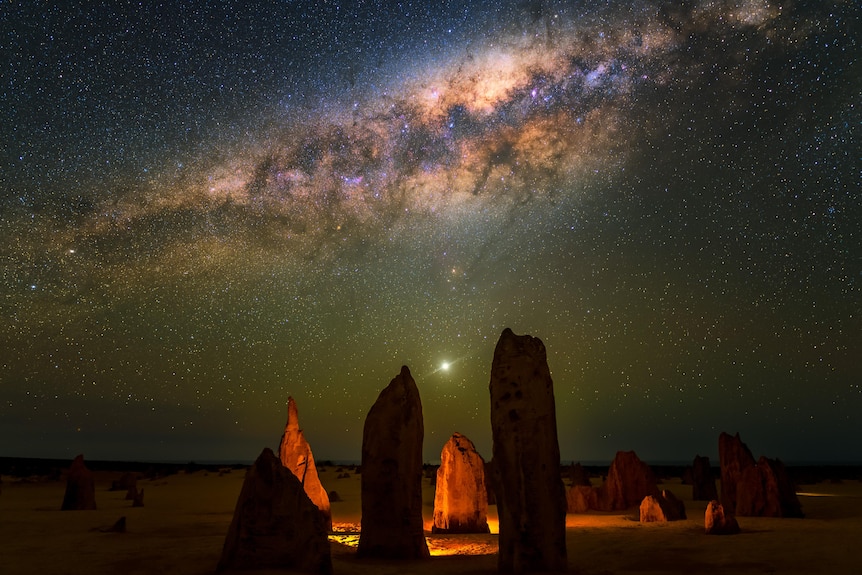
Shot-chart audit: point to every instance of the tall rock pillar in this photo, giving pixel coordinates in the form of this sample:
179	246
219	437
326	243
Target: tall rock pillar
392	525
531	499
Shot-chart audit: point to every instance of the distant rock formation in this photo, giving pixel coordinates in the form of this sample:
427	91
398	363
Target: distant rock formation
629	481
531	500
391	485
275	525
581	498
754	489
702	480
578	475
126	482
717	522
733	456
665	507
460	496
765	490
138	499
295	454
80	487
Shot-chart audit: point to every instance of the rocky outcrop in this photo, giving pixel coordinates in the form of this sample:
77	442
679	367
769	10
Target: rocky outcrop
295	454
531	500
755	489
391	488
629	481
733	456
702	480
581	498
665	507
275	525
765	490
717	522
80	487
460	496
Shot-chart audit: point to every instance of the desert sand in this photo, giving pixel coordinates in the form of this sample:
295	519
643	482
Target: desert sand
185	517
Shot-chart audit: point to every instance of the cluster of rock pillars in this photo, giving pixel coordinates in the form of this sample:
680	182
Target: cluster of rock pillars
282	517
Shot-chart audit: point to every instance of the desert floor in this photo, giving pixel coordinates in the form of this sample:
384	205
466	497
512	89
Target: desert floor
185	517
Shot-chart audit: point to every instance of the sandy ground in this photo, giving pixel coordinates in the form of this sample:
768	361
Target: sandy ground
182	526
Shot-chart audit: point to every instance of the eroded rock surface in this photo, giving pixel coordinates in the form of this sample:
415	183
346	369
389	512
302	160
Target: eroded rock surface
275	525
734	457
531	500
460	495
629	481
702	480
765	490
717	522
392	525
295	454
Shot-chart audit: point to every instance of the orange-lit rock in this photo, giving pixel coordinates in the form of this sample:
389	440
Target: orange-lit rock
80	487
295	454
275	525
531	500
717	522
702	480
582	498
391	485
460	496
734	457
765	490
629	481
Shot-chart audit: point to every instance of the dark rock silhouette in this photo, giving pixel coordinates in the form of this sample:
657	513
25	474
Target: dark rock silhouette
734	456
629	481
334	496
80	487
489	483
578	475
702	480
531	500
460	496
138	499
765	490
717	522
674	507
275	525
391	484
125	483
130	481
665	507
118	527
295	454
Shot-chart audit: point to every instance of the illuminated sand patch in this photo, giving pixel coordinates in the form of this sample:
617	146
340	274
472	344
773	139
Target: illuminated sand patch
438	545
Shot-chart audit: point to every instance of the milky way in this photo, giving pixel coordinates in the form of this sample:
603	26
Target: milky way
205	210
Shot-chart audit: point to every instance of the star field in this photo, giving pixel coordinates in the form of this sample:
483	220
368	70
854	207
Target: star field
206	208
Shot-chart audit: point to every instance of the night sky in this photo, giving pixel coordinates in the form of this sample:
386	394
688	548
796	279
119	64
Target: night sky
209	206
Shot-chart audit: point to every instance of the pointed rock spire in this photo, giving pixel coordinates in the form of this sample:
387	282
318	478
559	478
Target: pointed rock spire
295	454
